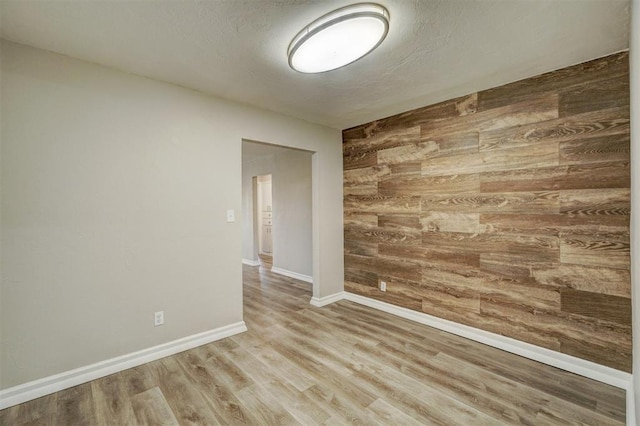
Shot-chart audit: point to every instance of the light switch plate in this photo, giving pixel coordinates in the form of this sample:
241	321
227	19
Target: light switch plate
231	216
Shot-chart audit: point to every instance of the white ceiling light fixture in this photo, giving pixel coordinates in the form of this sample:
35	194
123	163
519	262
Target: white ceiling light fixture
339	38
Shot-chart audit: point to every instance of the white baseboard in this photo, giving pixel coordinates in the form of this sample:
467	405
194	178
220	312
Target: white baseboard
291	274
37	388
601	373
250	262
327	300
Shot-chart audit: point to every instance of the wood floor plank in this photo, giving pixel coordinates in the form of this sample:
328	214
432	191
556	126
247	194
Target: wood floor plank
110	400
75	406
151	408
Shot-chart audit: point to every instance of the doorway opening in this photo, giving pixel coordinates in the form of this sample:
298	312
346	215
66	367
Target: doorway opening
277	209
264	213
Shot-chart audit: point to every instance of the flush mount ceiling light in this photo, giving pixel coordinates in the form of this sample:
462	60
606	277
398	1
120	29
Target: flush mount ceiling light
339	38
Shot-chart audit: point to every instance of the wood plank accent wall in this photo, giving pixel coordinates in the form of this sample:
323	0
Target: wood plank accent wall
506	210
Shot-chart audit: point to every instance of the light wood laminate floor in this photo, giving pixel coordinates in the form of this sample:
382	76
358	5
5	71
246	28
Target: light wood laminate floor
340	364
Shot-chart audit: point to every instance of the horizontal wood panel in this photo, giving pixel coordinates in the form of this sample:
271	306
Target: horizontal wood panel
600	123
381	235
582	176
416	186
506	217
443	256
605	250
538	109
597	305
542	155
384	266
594	95
402	222
595	150
596	70
361	277
508	202
366	174
616	282
382	204
452	108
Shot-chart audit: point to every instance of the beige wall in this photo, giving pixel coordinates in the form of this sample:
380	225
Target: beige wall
114	197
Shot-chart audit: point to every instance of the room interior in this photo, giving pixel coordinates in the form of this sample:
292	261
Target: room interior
470	212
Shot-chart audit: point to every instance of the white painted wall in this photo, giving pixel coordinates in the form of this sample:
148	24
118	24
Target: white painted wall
292	206
114	196
634	59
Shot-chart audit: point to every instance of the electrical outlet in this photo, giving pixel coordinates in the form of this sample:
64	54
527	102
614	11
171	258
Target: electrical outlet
158	318
383	286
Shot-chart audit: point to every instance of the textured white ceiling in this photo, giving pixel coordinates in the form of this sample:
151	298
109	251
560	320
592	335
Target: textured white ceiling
236	49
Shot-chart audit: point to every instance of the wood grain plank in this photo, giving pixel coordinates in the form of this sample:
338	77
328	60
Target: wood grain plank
359	159
151	408
599	123
362	248
407	152
382	235
611	354
461	106
527	248
597	305
382	204
594	95
530	111
368	188
442	255
366	174
384	266
541	202
417	186
583	176
437	296
110	402
605	207
361	277
383	140
451	222
604	250
400	222
615	282
408	168
527	296
595	70
600	149
533	156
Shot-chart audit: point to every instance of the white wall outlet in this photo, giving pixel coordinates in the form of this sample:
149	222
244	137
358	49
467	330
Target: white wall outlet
383	286
158	318
231	216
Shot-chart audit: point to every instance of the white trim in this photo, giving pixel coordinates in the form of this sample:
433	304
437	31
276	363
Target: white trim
37	388
601	373
631	405
327	300
250	262
291	274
